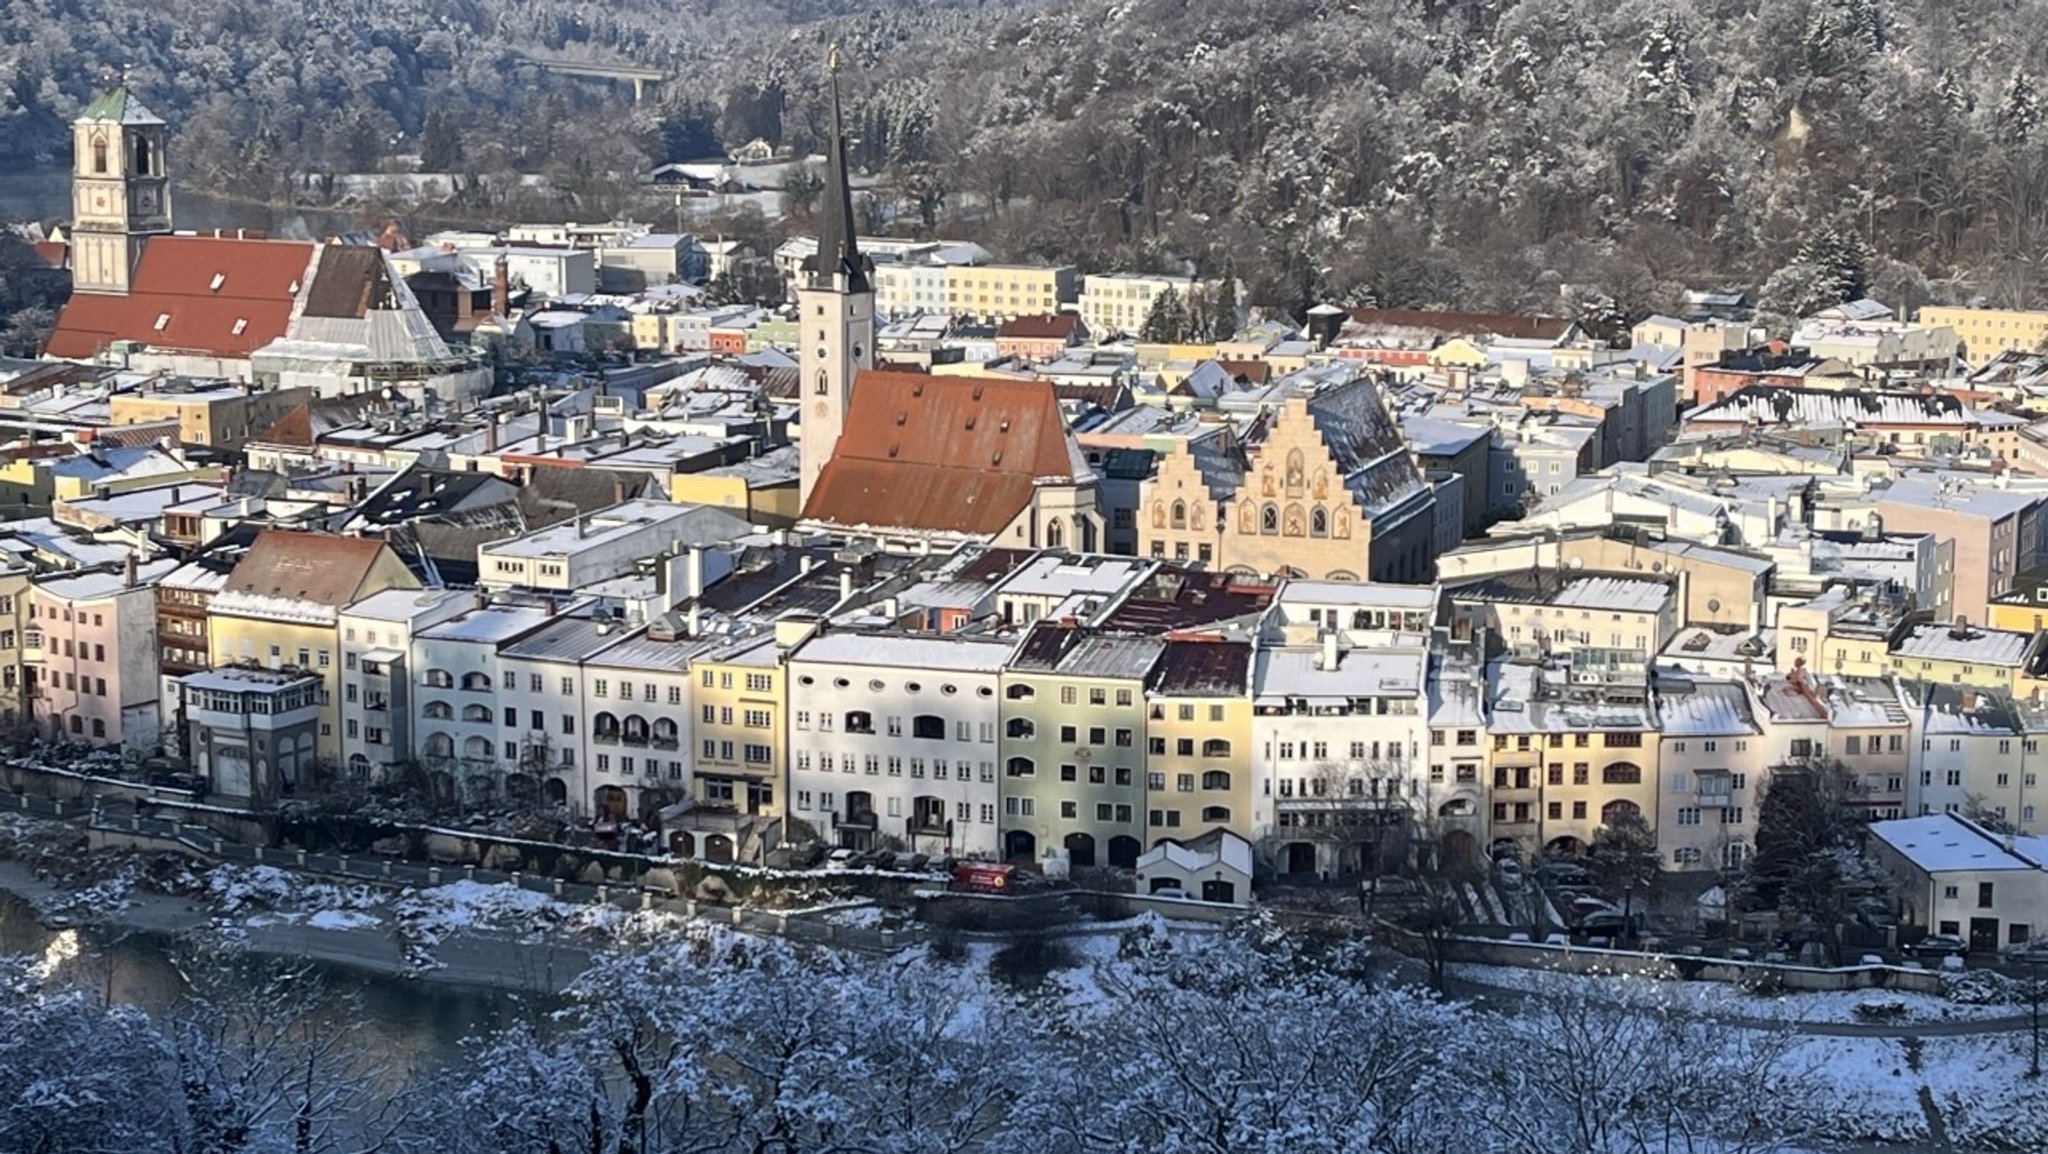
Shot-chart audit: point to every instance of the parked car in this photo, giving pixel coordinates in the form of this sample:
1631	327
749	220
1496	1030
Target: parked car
1174	892
839	861
2031	950
1394	886
1938	946
1564	873
192	783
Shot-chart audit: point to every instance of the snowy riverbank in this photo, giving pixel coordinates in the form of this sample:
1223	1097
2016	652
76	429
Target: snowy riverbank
460	938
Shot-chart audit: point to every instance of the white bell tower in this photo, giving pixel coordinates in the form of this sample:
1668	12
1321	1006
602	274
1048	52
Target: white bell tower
120	194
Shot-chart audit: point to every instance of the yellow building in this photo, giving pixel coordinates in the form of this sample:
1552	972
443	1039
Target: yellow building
1837	634
1004	292
1957	653
1985	333
765	491
740	692
1198	741
1119	302
1567	611
14	598
216	415
282	602
1327	493
1559	774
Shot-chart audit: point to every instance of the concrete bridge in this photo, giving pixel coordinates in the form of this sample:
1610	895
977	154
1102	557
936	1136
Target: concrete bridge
642	79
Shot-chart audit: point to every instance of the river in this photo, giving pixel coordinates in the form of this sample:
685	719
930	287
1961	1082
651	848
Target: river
401	1024
44	194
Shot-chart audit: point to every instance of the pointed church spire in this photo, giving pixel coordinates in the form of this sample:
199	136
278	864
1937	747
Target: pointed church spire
838	249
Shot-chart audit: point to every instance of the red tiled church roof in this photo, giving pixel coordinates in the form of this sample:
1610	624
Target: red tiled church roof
941	454
174	283
54	253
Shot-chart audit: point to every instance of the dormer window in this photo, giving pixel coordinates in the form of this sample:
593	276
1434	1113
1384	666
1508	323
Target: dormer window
219	279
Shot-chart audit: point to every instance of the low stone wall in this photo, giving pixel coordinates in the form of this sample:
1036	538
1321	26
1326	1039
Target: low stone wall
1747	974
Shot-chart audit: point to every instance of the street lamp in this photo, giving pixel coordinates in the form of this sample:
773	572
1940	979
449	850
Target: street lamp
2034	1011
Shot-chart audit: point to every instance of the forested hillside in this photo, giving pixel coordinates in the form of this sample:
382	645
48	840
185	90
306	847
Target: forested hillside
1483	153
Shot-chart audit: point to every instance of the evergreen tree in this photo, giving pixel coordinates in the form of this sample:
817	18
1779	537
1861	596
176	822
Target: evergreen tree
2019	110
1843	261
361	143
1167	321
440	143
1225	307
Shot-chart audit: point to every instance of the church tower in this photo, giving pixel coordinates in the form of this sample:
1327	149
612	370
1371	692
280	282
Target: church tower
836	310
119	193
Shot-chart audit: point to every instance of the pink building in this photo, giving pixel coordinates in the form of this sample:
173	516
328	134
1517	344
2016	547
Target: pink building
91	655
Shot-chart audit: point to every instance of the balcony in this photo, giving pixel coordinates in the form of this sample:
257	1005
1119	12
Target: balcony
605	737
665	743
377	704
857	819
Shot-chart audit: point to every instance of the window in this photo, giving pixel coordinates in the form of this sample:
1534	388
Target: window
1983	895
1621	773
1688	816
860	721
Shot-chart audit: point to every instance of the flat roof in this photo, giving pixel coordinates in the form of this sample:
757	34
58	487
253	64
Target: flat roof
1949	843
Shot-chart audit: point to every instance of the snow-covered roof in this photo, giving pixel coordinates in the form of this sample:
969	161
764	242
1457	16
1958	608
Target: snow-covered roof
1939	641
1703	708
899	651
1230	850
1284	673
1950	843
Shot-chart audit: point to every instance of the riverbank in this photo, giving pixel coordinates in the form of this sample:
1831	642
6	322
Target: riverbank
475	959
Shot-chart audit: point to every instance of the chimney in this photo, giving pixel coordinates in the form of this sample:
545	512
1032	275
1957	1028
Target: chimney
1961	630
579	526
128	571
501	288
482	599
491	434
845	584
1969	699
891	608
1326	660
696	619
693	570
548	607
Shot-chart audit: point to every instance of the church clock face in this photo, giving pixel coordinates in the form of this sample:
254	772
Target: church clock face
145	201
822	409
99	200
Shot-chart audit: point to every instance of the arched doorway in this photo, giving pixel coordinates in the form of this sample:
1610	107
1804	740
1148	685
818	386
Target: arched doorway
1124	851
1020	845
557	791
1080	849
1461	850
1616	811
718	848
682	843
610	802
1300	858
1564	847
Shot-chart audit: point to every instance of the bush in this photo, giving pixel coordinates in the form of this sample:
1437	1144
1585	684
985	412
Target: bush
1880	1010
1979	988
